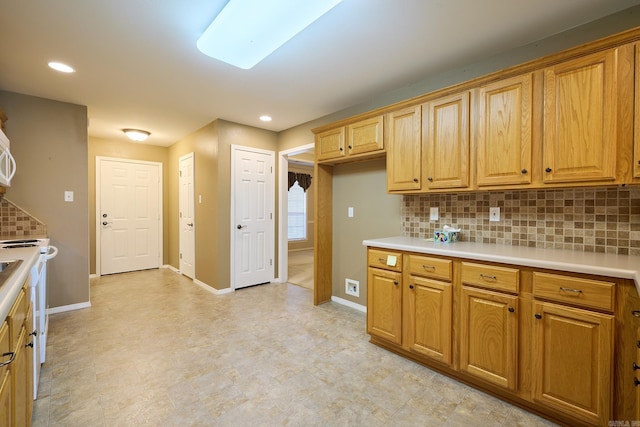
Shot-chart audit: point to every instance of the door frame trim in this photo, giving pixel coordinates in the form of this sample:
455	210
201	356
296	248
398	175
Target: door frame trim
98	194
283	199
193	160
232	208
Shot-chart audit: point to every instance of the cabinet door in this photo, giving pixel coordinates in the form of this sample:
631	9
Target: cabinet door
330	144
572	361
489	336
428	317
5	377
366	136
19	383
504	132
404	152
580	116
446	141
384	304
636	133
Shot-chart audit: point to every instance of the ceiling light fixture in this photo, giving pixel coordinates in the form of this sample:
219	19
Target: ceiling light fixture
265	118
247	31
136	134
59	66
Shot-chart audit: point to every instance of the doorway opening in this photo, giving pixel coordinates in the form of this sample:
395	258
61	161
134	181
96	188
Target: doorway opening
297	234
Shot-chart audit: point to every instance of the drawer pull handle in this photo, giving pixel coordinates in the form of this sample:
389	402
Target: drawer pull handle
635	366
488	277
538	316
395	282
636	382
428	267
382	260
8	362
573	291
635	313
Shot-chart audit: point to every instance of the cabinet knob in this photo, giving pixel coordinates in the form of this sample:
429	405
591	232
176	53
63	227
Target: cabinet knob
411	287
523	171
636	381
350	147
635	366
430	179
511	310
341	149
395	282
34	333
538	316
29	345
635	313
547	170
415	179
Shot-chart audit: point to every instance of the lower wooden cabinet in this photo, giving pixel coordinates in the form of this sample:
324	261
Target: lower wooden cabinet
384	304
19	398
5	376
489	336
428	318
546	340
572	361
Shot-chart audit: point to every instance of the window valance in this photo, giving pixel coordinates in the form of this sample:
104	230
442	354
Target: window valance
304	180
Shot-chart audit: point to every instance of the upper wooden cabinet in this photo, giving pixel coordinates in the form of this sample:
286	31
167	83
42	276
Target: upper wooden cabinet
504	132
445	141
404	151
360	138
636	116
580	119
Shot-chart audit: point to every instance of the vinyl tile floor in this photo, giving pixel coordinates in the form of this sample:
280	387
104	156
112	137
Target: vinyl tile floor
155	349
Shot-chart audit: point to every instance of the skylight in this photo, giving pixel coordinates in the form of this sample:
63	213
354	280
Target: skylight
247	31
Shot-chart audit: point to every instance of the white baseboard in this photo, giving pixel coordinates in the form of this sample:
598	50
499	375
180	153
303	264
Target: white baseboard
348	303
211	289
170	267
70	307
93	276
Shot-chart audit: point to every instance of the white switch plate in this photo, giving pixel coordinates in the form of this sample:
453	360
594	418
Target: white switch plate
494	214
68	196
433	214
350	212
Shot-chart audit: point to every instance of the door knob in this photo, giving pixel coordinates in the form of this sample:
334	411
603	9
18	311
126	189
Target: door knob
190	224
240	227
104	223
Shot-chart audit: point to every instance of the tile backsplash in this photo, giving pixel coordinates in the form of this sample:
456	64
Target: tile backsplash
15	223
580	219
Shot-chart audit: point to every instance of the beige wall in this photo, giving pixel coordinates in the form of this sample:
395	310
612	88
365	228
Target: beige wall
212	148
99	147
296	245
49	143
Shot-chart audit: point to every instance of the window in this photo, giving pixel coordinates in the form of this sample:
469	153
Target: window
297	229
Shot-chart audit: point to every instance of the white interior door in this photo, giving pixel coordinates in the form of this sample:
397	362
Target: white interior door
187	217
253	224
129	216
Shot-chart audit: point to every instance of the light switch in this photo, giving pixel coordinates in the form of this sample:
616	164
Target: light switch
68	196
350	212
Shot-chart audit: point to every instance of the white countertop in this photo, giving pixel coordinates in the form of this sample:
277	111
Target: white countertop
619	266
11	288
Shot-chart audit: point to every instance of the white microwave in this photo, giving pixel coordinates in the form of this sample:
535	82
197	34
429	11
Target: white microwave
7	162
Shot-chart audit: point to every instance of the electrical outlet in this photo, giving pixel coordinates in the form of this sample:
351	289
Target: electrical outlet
433	214
352	287
494	214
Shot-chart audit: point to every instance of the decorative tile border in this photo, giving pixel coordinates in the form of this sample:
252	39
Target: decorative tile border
580	219
15	223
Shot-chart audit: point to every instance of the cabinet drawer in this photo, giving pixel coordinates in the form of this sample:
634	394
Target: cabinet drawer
16	318
388	260
492	277
574	290
430	267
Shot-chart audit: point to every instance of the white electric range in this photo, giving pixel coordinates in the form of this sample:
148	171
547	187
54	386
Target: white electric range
38	297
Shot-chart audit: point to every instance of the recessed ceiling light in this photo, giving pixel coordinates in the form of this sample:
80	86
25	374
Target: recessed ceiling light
247	31
265	118
136	134
59	66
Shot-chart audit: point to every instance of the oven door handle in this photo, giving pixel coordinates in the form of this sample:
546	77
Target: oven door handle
52	252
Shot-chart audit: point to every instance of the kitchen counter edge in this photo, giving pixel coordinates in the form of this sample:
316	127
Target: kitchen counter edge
600	264
11	288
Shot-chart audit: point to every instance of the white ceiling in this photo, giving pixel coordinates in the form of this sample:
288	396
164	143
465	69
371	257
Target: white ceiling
138	66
